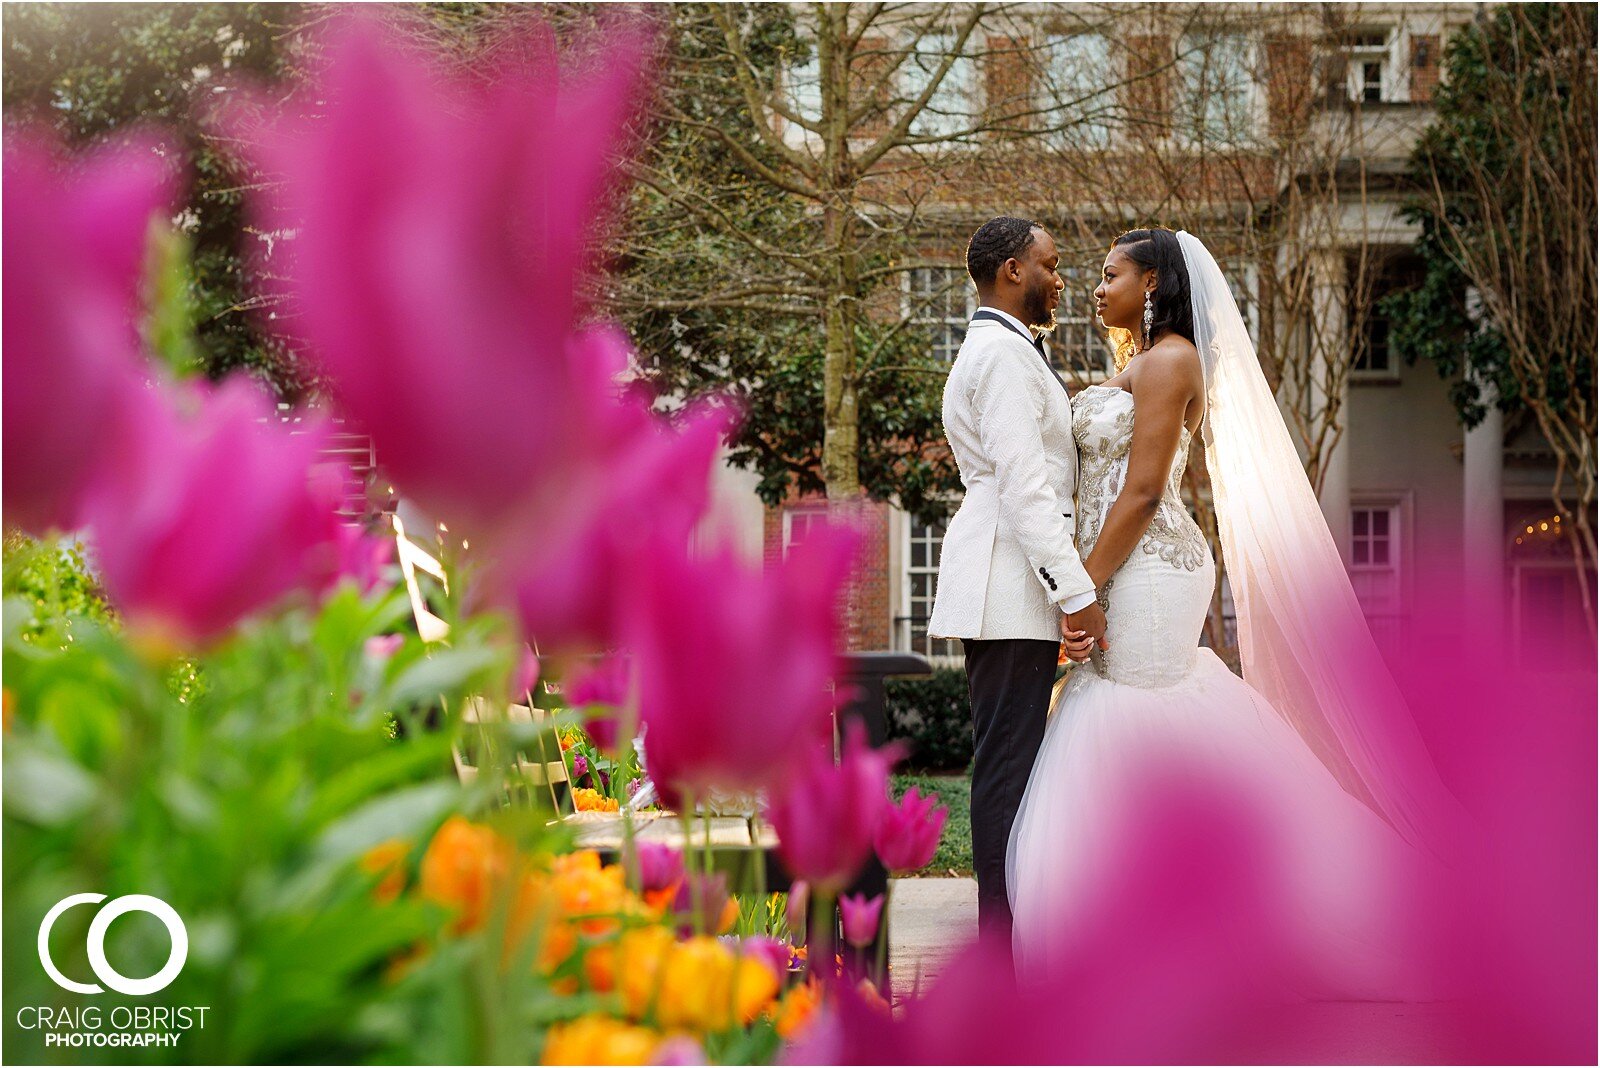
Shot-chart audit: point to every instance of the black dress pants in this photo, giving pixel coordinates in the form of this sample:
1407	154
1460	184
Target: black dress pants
1009	681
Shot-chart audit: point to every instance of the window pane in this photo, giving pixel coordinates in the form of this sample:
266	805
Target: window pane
951	108
1380	552
919	553
1358	522
1214	77
1380	523
804	87
1075	73
1358	551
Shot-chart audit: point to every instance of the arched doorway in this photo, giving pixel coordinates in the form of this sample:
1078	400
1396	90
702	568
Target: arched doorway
1549	631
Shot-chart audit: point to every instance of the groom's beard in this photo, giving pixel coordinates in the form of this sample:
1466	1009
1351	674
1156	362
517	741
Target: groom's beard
1041	309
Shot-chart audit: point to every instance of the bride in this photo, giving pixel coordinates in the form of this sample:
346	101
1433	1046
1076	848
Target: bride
1316	726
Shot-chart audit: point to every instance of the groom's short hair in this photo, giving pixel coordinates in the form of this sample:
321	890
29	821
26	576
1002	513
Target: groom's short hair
996	241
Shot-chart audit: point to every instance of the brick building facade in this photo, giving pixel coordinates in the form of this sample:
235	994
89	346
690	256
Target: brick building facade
1408	493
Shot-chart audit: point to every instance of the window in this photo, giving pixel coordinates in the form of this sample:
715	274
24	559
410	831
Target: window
1371	357
799	522
1375	568
942	300
952	107
1369	63
1075	75
923	542
803	88
1216	88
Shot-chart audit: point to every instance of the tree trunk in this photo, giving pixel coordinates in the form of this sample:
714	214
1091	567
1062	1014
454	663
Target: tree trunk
841	467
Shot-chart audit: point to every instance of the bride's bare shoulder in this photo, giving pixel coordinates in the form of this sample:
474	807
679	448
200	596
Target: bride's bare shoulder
1173	359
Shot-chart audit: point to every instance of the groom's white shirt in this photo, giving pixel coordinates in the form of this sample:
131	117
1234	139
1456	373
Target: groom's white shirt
1009	567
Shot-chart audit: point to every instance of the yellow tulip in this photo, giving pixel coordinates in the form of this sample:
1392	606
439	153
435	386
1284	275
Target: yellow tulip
599	1040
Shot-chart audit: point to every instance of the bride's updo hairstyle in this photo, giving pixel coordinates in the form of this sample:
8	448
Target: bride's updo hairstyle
1156	247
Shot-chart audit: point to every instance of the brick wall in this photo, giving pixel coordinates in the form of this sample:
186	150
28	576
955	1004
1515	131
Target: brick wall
1007	82
872	59
1424	66
867	608
1149	88
1291	84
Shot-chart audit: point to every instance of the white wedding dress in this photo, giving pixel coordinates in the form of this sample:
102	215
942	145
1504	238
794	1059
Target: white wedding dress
1156	691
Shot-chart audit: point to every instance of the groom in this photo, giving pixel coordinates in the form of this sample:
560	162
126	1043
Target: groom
1011	585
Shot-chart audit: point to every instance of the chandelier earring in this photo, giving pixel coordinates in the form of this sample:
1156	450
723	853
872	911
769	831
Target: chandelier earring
1149	320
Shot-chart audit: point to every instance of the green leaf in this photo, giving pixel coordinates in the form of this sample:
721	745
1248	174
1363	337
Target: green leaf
442	673
403	814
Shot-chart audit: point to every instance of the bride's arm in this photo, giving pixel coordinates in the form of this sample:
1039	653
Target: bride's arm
1161	393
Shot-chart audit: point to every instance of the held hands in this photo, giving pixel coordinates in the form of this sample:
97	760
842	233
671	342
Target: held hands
1082	630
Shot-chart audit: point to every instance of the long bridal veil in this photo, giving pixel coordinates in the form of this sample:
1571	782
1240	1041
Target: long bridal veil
1303	641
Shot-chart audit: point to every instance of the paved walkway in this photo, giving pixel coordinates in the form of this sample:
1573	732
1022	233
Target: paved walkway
931	919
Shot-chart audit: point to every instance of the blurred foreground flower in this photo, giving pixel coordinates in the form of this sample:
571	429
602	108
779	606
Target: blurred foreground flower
908	832
204	516
596	1039
660	866
524	675
75	240
364	559
700	984
632	510
601	691
441	226
1174	929
859	917
463	868
794	910
734	664
826	814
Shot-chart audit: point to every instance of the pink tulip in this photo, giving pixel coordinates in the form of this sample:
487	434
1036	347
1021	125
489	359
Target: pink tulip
601	691
640	499
702	893
524	675
382	646
733	664
859	918
604	683
442	225
769	951
908	833
826	814
660	866
207	516
679	1050
364	558
74	241
794	912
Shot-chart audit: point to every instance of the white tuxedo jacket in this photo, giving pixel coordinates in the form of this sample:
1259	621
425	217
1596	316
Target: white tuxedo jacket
1009	567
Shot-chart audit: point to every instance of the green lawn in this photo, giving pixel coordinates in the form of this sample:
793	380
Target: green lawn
955	846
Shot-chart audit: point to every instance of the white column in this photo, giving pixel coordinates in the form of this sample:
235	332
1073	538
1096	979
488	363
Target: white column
1483	515
1331	343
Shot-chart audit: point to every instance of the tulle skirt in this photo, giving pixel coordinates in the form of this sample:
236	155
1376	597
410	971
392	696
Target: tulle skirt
1340	874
